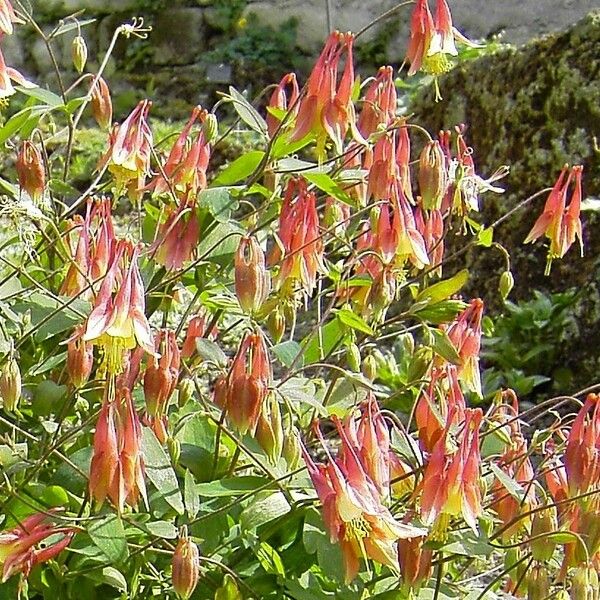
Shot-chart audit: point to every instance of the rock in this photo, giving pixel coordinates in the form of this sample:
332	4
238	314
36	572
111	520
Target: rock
534	108
178	36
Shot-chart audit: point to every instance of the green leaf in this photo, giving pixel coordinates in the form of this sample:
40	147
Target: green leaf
269	559
211	352
70	26
512	486
331	334
14	124
326	184
444	347
315	539
190	495
265	507
351	319
485	237
239	169
49	98
163	529
159	470
247	112
440	312
220	244
109	535
444	289
229	590
114	578
467	543
219	203
287	352
234	486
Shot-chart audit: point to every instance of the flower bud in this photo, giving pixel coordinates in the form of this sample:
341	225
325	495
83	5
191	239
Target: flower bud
186	567
210	127
30	169
101	104
269	430
369	367
276	324
80	359
353	357
432	176
186	391
79	53
507	282
174	448
291	449
252	280
407	341
538	583
10	384
543	522
229	590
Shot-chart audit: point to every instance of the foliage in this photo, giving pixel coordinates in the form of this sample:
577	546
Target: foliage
196	397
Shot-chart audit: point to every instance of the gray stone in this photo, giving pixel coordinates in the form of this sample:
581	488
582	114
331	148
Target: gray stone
178	36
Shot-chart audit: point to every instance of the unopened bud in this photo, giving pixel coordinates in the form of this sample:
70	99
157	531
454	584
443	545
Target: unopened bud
80	360
507	282
276	324
269	430
291	449
10	384
186	391
101	104
407	341
561	595
252	280
30	170
210	127
79	53
432	176
369	367
543	522
538	583
353	357
229	590
186	567
174	448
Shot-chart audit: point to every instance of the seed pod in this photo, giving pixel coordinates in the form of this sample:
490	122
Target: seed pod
186	391
186	567
174	448
30	169
544	522
432	176
79	53
353	357
538	583
10	384
101	104
269	430
507	282
276	324
291	449
369	367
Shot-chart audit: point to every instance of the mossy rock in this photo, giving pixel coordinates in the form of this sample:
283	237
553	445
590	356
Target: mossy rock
534	108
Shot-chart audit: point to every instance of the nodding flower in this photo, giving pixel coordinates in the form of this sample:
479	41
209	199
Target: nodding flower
20	548
30	169
326	111
129	152
7	76
118	322
252	279
242	393
101	104
379	103
8	17
117	467
280	102
352	507
301	239
560	223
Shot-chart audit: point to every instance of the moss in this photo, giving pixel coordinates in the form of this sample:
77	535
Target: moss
534	108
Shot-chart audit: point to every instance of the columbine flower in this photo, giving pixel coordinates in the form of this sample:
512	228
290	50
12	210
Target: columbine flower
8	17
243	392
128	156
559	223
353	511
197	328
80	358
279	102
101	104
118	322
117	468
465	334
30	170
19	547
379	103
450	484
300	236
186	567
7	76
160	381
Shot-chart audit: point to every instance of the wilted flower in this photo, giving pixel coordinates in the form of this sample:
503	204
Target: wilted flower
415	561
160	381
353	510
130	147
101	104
80	358
19	547
252	280
117	468
186	567
118	322
559	223
197	328
30	170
